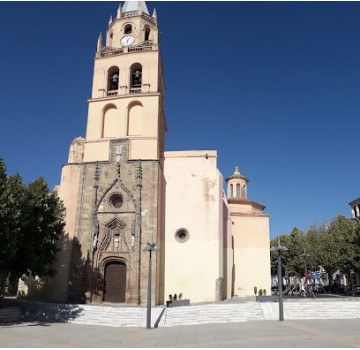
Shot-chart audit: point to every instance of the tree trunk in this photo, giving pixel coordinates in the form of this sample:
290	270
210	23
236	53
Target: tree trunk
3	276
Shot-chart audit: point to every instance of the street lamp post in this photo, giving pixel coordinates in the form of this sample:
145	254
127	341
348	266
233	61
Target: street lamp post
305	255
150	247
280	249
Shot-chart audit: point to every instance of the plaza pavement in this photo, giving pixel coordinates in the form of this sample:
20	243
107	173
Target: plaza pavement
253	334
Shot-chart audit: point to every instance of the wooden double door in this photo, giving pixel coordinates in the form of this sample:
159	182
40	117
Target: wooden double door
115	282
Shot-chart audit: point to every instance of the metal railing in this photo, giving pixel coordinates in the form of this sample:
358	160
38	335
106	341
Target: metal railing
135	90
110	51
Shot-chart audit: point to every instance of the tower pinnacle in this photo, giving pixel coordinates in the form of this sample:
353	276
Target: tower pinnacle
237	172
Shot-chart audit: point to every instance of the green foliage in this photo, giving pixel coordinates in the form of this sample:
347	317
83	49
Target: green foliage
334	246
347	242
31	223
11	198
291	259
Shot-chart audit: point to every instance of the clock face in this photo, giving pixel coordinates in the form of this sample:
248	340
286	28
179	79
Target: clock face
127	40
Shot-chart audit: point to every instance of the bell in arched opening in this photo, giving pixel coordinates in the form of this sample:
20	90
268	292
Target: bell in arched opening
136	78
114	81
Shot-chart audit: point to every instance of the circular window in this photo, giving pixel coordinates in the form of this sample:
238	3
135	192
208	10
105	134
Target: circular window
182	235
116	200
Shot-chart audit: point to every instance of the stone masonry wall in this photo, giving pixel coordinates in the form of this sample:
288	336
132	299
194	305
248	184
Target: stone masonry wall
107	233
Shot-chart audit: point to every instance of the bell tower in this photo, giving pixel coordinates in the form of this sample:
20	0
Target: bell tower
127	93
113	183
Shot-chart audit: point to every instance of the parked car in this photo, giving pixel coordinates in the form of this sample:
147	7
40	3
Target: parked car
336	289
355	289
339	289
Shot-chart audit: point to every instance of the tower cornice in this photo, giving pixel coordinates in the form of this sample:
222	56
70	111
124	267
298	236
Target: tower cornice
246	202
118	97
109	52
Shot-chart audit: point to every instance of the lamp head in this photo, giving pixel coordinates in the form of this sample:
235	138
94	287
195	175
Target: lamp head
151	246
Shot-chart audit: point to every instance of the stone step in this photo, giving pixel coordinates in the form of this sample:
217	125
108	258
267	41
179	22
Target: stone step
10	315
125	316
212	313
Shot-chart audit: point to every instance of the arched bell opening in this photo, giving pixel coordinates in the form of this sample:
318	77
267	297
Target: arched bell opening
237	190
136	78
113	81
128	29
110	40
147	33
231	194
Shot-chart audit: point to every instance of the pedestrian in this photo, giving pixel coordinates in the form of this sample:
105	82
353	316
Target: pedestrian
303	291
312	291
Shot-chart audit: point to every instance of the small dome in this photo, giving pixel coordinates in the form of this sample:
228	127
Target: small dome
237	176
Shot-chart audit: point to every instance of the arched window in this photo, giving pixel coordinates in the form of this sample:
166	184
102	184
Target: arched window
111	39
147	33
128	29
237	190
136	78
113	81
231	190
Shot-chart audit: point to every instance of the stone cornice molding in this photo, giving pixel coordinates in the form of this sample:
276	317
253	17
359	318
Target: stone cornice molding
246	202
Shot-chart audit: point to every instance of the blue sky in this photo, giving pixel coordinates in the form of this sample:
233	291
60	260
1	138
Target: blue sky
272	86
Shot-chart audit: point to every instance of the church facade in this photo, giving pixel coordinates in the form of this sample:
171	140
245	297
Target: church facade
122	189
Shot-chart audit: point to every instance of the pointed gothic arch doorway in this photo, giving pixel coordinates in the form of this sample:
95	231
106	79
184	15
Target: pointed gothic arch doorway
115	282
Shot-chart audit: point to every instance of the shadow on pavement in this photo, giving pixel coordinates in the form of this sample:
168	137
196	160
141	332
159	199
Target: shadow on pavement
15	312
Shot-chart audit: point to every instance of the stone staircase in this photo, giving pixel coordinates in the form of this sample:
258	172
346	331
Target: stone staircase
10	314
115	316
211	313
15	311
322	309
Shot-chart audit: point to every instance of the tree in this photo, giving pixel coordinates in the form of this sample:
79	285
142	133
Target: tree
349	249
31	223
334	246
312	251
296	247
42	227
291	259
11	191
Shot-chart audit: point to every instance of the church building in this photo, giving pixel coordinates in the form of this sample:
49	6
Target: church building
122	190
